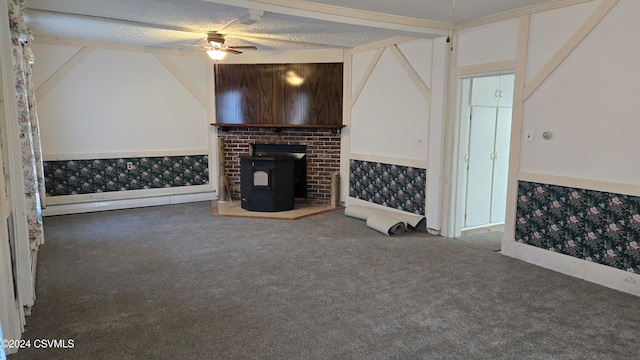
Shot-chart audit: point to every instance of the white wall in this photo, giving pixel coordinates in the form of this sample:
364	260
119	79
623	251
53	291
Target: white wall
392	118
589	103
106	101
587	99
487	43
119	101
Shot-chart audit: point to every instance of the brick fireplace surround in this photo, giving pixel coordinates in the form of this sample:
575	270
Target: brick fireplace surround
323	156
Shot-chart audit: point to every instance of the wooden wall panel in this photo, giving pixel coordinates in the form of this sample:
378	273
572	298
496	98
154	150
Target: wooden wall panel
231	106
267	95
270	94
295	97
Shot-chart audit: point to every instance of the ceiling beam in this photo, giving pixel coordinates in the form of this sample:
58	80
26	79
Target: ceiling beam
343	15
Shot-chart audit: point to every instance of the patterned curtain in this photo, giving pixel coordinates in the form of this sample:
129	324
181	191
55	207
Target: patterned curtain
32	167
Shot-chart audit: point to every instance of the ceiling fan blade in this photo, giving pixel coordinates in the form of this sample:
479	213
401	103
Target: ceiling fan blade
243	47
231	51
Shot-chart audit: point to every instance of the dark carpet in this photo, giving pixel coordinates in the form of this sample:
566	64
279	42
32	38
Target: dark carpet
173	282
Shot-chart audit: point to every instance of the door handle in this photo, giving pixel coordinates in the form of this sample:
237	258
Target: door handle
495	157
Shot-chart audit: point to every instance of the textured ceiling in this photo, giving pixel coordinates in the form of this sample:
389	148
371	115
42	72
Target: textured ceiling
285	25
439	10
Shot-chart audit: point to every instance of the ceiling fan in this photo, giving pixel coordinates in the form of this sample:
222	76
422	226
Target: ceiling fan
216	49
213	43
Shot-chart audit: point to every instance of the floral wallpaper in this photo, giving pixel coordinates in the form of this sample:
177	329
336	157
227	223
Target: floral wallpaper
395	186
73	177
595	226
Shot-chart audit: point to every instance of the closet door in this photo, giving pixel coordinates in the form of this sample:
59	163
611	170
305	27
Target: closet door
480	165
506	90
485	91
500	166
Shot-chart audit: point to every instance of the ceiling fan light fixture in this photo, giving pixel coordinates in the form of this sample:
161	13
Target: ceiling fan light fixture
216	55
215	43
215	40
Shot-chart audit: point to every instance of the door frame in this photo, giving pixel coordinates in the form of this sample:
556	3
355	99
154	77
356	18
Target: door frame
460	137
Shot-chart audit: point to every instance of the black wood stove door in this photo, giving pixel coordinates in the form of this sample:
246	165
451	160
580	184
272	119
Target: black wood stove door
267	183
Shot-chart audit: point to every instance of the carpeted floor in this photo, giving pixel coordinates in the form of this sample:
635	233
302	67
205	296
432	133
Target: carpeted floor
491	240
173	282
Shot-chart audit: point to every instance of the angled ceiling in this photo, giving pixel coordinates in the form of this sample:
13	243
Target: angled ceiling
284	25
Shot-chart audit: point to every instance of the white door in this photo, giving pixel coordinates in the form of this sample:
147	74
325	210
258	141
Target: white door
500	166
506	90
487	152
485	91
480	159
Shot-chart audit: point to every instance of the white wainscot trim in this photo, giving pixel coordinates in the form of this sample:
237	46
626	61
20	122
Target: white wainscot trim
421	164
615	187
593	272
128	154
118	204
492	67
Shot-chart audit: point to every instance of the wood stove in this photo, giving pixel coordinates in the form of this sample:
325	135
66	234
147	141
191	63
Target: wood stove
267	183
298	152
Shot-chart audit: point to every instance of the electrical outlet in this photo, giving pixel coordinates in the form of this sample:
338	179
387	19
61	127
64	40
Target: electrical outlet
528	136
129	166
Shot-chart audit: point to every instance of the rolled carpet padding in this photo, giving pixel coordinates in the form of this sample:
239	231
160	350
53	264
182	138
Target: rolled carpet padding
413	221
358	212
386	224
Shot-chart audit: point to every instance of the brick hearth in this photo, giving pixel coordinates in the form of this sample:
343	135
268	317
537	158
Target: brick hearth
323	156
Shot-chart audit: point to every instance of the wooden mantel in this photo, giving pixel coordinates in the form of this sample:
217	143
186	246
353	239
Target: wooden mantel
278	127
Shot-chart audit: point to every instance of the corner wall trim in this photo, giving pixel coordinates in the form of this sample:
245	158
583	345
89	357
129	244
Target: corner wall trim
68	209
568	47
182	78
365	78
63	71
596	273
411	72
